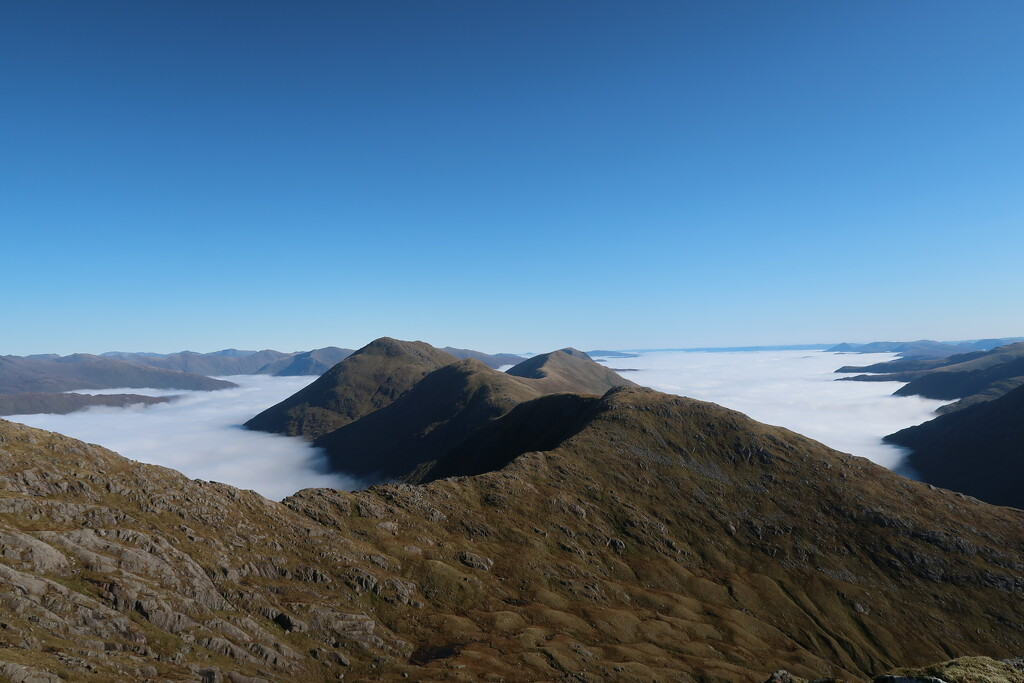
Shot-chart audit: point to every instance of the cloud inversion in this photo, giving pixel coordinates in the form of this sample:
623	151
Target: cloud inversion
200	435
792	389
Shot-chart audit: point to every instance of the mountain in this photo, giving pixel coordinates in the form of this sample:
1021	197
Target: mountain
370	378
315	362
978	450
568	370
643	537
20	375
444	408
61	404
490	360
972	377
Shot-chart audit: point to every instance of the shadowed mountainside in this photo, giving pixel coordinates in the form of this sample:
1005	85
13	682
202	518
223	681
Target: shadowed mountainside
61	404
367	380
656	538
50	374
436	414
978	450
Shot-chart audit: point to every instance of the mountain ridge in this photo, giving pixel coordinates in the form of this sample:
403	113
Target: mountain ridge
660	538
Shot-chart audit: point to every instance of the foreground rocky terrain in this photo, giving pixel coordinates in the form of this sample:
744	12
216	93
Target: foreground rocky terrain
646	537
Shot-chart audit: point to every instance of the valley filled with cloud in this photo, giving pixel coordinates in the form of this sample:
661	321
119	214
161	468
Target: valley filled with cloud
200	433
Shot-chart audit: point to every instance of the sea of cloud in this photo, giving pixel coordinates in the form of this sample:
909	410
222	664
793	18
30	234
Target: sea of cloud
793	389
200	434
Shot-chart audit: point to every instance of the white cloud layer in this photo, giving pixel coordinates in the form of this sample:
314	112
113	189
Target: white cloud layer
792	389
200	435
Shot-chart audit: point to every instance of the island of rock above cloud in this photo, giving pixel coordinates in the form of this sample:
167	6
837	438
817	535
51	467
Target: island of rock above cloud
395	409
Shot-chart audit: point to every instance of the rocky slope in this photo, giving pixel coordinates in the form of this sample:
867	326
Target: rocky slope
978	450
54	374
648	537
369	379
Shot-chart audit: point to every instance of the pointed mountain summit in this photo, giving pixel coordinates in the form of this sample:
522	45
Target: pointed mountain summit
569	370
365	381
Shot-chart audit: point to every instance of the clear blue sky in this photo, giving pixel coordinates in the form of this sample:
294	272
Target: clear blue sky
508	175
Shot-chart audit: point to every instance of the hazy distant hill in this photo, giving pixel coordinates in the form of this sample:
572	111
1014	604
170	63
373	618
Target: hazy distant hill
367	380
83	371
60	404
496	360
315	362
972	377
978	450
236	362
612	354
925	348
634	536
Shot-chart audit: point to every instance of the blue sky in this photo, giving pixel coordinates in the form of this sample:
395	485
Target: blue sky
508	175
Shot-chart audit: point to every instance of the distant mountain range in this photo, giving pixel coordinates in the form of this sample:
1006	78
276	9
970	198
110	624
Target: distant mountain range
49	374
236	362
924	348
971	377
